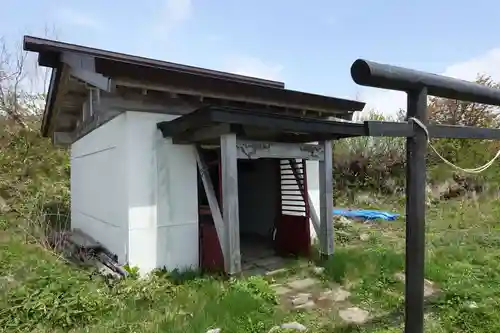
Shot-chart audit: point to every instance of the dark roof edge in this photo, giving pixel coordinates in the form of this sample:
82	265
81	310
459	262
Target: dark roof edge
55	78
41	45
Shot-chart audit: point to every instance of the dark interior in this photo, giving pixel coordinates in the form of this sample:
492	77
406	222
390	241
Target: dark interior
258	193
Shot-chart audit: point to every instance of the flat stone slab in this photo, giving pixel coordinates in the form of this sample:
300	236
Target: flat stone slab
281	290
271	263
301	299
254	271
306	306
429	287
338	295
318	270
354	315
276	271
302	284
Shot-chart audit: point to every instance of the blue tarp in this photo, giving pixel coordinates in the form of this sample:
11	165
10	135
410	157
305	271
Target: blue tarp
366	214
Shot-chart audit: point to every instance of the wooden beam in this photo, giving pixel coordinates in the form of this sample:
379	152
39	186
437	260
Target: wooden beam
312	211
99	118
230	203
407	129
212	200
248	97
326	241
203	134
248	149
63	84
142	104
83	68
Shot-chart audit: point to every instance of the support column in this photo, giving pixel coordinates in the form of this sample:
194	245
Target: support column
326	201
230	210
416	149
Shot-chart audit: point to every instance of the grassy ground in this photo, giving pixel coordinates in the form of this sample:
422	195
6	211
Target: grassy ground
40	293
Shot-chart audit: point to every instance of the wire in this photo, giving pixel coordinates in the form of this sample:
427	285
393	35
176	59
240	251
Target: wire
474	170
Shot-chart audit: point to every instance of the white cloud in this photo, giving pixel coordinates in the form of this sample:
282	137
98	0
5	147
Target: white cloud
173	14
389	102
178	10
255	67
78	18
488	63
383	101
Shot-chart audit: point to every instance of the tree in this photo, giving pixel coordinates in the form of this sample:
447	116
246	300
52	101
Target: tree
466	153
21	94
453	112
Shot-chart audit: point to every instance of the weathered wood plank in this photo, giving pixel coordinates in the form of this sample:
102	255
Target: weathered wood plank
326	201
312	211
83	68
212	199
229	159
203	134
249	149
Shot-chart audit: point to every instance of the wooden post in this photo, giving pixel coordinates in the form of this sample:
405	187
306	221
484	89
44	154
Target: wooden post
326	201
212	198
301	180
230	211
416	149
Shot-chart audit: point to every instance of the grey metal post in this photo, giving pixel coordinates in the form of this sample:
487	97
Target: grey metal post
416	149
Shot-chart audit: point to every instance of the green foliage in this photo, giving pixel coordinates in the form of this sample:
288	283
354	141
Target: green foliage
35	175
132	271
256	287
54	301
378	164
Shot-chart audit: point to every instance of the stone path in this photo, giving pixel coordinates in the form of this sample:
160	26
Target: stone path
307	293
429	288
270	265
310	293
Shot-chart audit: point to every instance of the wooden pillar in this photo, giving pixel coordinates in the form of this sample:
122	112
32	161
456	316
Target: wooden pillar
416	149
211	197
230	211
326	201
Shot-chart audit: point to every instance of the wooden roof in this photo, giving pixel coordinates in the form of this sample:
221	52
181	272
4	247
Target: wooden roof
212	87
206	125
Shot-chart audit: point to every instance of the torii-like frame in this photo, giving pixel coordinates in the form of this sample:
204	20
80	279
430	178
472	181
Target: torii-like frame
418	85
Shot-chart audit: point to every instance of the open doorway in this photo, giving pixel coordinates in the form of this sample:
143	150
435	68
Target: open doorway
273	213
258	193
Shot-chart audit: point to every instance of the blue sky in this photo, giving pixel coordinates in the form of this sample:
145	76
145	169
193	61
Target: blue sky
310	45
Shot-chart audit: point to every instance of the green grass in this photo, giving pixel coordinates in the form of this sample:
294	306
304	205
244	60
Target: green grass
41	293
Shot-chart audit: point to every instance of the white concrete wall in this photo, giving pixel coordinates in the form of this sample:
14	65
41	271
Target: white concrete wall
99	187
136	192
162	197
